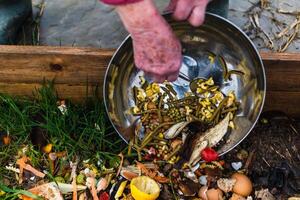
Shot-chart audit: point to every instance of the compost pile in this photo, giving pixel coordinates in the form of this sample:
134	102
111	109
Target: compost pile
53	149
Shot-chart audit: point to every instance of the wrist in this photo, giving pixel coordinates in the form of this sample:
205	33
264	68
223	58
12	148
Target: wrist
139	16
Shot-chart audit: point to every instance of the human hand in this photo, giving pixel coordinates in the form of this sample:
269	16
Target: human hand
157	51
191	10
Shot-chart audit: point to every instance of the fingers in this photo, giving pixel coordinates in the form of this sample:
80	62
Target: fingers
183	9
197	16
173	77
163	78
159	79
193	10
161	75
158	76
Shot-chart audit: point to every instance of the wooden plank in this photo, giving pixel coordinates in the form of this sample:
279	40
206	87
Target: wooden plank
77	72
68	65
282	71
280	57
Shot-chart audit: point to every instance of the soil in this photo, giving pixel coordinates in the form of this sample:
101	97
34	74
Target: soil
273	148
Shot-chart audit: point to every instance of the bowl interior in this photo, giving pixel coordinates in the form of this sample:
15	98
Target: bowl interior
216	35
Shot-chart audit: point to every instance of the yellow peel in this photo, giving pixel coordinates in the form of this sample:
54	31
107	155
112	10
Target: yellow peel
144	188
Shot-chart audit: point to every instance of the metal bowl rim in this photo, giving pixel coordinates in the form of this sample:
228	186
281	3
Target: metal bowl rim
230	23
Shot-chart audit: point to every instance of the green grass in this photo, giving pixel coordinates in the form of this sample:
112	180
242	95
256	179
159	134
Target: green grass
84	132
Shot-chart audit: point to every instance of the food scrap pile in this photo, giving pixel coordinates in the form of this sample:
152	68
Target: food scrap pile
52	149
166	122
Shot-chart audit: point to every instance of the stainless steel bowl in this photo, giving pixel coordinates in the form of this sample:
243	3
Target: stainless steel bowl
216	35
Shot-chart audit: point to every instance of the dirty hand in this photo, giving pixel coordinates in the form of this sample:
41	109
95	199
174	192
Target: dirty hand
191	10
157	51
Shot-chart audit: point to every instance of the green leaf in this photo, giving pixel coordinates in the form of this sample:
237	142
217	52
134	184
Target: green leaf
17	192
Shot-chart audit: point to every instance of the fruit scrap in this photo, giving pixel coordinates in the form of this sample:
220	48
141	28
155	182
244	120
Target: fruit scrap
152	173
104	196
144	187
208	154
130	172
22	162
120	190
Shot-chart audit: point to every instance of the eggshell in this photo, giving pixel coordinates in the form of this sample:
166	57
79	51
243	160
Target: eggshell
202	193
214	194
237	197
226	184
243	185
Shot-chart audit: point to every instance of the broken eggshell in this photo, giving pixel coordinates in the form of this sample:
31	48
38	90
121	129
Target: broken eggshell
226	184
214	194
202	193
210	194
243	185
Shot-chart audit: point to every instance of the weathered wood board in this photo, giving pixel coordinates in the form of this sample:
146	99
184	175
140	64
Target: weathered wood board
77	72
283	82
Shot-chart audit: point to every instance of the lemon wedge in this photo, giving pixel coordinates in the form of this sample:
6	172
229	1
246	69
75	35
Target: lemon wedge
144	188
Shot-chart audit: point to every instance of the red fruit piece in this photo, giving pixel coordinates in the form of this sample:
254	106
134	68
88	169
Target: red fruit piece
208	154
104	196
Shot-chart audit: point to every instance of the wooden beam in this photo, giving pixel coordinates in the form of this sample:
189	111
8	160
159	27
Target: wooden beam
67	65
282	71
